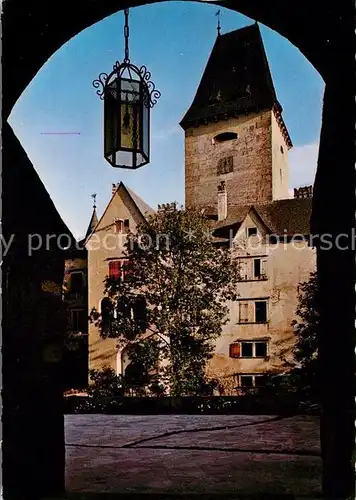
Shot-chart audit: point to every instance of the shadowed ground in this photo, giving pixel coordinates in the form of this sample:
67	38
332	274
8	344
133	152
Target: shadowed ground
232	456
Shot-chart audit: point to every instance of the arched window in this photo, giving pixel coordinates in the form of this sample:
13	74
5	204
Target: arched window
140	313
106	309
225	136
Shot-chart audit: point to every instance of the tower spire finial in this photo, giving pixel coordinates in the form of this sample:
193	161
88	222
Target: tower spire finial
219	27
94	200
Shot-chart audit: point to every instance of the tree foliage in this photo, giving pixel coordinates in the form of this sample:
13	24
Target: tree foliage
172	304
306	328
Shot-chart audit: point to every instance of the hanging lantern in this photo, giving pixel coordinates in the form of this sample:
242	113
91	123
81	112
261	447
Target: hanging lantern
128	96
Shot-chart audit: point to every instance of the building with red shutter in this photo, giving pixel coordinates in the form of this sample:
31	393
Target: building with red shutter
105	248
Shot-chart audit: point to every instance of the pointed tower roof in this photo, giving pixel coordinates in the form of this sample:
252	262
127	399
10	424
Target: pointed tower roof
94	219
236	80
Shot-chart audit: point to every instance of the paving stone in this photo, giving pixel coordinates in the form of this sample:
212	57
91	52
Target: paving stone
91	467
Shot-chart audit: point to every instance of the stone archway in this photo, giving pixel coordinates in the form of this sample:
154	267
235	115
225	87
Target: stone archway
321	33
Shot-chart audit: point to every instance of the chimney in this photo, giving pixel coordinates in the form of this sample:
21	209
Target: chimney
222	201
114	188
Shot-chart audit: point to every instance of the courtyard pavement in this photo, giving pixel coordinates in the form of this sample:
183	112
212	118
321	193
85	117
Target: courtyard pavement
240	455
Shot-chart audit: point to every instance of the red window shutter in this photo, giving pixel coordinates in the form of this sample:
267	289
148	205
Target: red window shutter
127	268
235	350
115	269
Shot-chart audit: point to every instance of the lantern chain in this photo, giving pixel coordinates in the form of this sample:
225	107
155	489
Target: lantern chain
126	35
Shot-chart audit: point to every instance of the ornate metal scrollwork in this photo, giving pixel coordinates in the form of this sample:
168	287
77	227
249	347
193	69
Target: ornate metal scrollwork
126	69
100	82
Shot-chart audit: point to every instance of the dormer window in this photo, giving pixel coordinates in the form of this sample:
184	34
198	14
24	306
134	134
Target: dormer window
225	136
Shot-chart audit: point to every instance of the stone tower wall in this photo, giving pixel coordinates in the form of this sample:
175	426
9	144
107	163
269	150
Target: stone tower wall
245	163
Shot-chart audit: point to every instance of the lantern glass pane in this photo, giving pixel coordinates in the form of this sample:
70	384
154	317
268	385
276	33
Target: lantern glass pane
130	114
110	119
124	158
145	126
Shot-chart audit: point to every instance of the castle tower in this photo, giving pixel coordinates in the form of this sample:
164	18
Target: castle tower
234	130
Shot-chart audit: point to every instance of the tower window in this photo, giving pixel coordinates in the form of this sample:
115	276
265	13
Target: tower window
282	150
225	136
225	165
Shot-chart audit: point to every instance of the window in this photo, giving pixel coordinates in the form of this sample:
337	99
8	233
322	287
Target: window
249	349
225	165
246	349
250	381
120	269
257	268
225	136
252	269
261	311
126	225
246	380
140	313
282	150
243	312
251	231
119	225
126	268
106	309
260	380
76	282
115	269
79	320
260	349
255	349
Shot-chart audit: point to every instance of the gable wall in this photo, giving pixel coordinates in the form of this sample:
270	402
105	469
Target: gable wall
106	244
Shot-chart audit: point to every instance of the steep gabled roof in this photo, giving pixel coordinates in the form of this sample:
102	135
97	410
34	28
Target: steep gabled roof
141	206
92	224
290	216
236	80
281	217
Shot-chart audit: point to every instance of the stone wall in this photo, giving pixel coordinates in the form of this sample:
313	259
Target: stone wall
280	174
251	178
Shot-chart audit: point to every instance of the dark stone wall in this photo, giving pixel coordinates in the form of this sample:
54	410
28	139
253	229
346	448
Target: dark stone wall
33	327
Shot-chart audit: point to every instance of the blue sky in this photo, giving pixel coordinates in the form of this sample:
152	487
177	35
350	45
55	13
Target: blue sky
174	40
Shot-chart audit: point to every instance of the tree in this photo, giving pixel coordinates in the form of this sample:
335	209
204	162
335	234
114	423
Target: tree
306	372
172	303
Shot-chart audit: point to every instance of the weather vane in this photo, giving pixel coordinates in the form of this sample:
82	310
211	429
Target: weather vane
219	27
94	199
